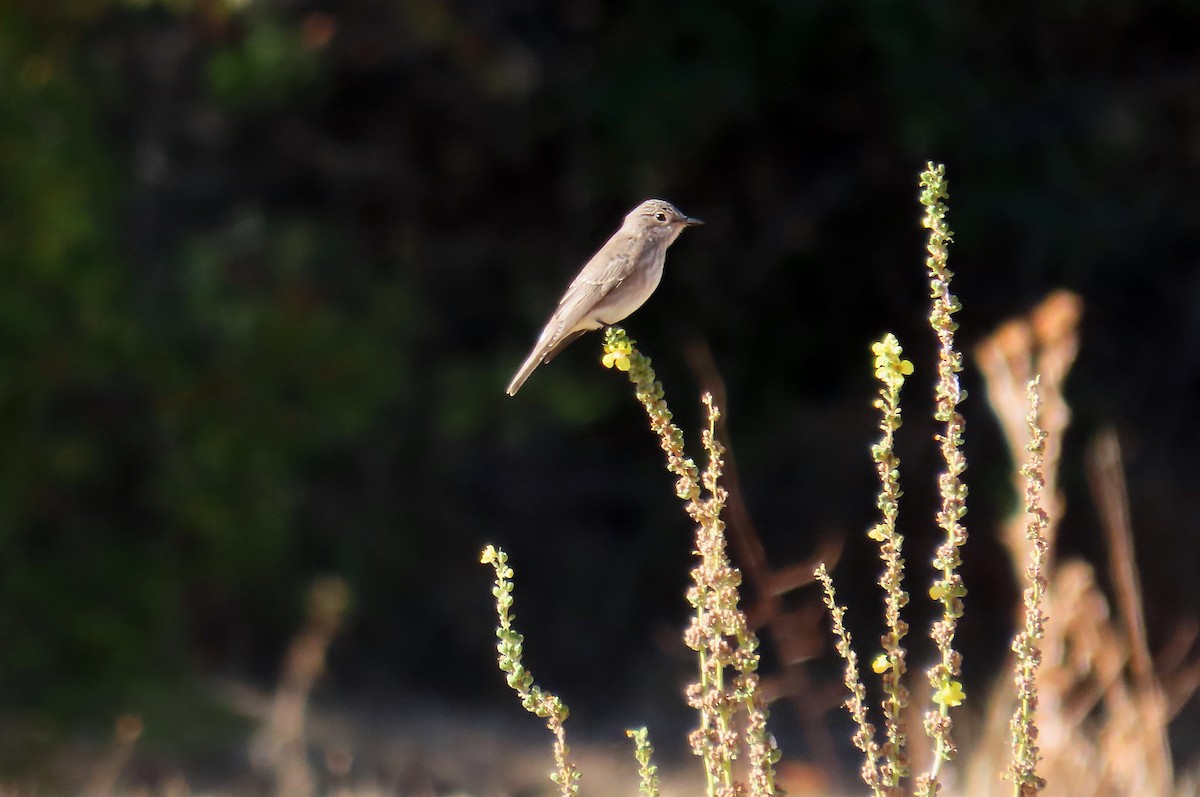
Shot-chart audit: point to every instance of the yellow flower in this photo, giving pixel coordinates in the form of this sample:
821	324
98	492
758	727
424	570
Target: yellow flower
951	694
938	591
881	664
616	359
616	354
889	367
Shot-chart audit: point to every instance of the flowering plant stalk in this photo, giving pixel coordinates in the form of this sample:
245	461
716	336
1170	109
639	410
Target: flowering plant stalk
725	645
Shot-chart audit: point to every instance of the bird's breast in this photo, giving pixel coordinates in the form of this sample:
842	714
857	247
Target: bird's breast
631	294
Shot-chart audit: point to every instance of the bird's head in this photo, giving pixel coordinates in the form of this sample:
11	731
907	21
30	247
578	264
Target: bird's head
659	219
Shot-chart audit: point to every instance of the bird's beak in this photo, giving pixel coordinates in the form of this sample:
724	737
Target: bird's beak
688	221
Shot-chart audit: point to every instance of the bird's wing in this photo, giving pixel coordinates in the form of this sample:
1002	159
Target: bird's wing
552	351
603	273
594	282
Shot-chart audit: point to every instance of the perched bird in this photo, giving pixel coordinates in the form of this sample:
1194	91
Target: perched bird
614	283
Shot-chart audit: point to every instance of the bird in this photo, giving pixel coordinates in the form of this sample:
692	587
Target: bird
617	280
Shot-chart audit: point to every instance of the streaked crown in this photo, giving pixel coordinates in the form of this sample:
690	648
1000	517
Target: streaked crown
658	213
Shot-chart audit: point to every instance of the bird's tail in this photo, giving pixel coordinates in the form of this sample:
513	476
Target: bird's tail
545	350
531	362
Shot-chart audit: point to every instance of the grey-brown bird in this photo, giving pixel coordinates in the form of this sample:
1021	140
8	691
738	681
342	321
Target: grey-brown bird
616	281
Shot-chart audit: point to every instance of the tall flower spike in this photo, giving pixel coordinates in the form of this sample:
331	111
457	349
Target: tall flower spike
1025	756
534	699
856	704
891	369
948	589
724	643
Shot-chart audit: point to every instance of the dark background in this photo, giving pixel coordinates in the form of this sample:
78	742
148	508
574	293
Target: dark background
266	269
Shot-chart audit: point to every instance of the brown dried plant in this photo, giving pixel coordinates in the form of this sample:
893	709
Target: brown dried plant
103	781
1102	703
281	745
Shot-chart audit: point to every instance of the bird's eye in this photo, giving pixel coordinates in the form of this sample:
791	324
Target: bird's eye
660	216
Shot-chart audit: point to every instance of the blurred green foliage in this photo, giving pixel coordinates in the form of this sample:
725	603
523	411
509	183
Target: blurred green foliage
158	409
270	63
